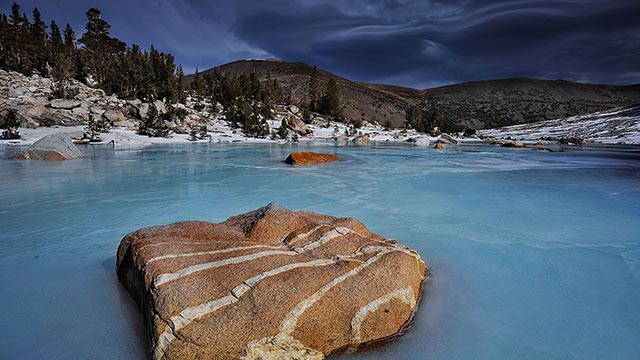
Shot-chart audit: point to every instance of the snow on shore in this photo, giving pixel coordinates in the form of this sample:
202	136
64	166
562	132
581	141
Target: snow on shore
123	138
616	126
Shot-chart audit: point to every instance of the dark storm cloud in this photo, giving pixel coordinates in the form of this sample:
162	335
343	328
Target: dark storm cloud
414	43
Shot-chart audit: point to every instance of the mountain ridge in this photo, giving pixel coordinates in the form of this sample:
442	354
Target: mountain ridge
476	104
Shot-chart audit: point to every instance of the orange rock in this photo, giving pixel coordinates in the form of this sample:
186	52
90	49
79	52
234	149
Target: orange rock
271	282
439	146
303	158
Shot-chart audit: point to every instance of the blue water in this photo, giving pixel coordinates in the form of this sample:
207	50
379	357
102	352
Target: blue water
533	255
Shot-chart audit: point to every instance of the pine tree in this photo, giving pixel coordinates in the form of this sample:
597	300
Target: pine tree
5	37
69	39
197	86
283	132
313	90
99	48
306	112
153	124
413	116
180	86
10	123
17	44
62	74
95	127
38	42
56	45
331	99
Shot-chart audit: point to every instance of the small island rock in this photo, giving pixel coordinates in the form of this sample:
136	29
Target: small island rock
269	284
302	158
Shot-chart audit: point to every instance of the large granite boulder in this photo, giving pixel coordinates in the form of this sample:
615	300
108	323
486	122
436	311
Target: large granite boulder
52	147
302	158
269	284
447	139
296	125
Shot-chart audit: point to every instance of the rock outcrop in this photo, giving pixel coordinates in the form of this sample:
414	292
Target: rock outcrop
302	158
447	139
361	139
514	145
296	125
419	141
269	284
52	147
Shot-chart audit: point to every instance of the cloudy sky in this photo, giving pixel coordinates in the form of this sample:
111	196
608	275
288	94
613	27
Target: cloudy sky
403	42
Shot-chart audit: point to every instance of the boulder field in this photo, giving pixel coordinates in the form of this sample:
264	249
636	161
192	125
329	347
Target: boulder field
269	284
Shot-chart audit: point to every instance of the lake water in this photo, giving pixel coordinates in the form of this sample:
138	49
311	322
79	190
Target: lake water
533	255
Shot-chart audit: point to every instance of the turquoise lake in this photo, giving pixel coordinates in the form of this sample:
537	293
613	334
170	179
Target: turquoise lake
532	254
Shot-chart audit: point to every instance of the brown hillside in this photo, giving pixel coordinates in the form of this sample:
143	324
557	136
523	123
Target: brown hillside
478	104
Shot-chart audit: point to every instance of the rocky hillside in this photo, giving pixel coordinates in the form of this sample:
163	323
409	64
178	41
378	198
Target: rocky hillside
617	126
496	103
477	105
373	103
31	98
40	114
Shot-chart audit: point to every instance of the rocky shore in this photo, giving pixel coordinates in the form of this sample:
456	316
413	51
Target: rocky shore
41	115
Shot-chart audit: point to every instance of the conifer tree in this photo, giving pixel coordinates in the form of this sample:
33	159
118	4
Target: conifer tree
331	99
56	45
9	123
99	48
198	85
180	86
16	44
69	39
62	74
313	90
38	42
5	36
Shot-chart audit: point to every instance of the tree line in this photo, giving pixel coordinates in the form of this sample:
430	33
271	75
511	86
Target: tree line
96	58
29	45
326	102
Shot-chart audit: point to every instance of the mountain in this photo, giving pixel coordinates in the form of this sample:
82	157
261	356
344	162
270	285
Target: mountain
478	104
620	125
359	100
496	103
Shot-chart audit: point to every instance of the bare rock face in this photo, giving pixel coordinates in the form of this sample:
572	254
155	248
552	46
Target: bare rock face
52	147
269	284
302	158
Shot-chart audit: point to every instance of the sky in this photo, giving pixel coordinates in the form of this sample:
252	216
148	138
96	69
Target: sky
418	44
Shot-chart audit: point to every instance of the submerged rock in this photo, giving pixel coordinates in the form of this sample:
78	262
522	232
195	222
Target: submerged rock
439	146
361	139
302	158
52	147
269	284
419	141
572	141
514	145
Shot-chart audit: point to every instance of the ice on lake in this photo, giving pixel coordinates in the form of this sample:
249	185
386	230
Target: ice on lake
533	255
